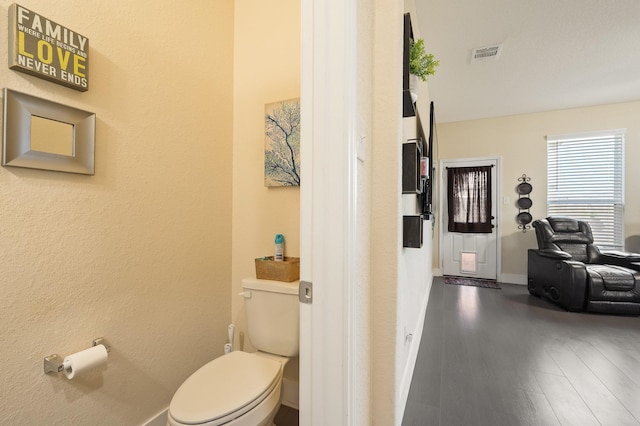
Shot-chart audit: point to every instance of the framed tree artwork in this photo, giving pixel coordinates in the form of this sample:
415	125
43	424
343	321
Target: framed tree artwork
282	143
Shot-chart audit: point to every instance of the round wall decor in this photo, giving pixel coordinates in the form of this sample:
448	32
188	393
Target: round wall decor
524	188
524	203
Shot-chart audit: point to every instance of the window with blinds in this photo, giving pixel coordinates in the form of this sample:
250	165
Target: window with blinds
585	181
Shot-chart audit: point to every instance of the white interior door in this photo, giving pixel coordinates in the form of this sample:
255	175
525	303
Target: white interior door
473	255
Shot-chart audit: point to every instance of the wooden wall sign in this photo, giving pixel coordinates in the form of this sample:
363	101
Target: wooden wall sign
45	49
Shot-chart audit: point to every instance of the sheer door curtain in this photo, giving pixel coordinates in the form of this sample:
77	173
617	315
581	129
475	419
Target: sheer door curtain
469	199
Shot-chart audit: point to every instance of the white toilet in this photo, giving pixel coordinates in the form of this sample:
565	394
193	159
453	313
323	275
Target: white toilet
240	388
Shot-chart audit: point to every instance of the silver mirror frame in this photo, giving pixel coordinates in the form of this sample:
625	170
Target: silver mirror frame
16	134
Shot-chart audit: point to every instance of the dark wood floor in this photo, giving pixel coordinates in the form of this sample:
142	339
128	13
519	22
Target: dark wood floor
286	416
503	357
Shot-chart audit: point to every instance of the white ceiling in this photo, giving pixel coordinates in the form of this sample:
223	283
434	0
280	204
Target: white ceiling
556	54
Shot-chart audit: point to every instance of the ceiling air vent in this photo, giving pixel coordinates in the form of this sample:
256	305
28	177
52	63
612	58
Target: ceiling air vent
486	53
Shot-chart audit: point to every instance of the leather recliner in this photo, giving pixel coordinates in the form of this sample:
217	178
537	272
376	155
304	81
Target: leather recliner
570	271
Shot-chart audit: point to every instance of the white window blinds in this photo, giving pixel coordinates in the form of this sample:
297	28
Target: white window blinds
585	179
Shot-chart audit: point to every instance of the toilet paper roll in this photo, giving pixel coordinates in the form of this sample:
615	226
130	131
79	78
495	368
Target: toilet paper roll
83	361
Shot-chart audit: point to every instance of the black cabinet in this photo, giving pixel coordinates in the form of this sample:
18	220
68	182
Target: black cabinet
411	157
412	231
412	183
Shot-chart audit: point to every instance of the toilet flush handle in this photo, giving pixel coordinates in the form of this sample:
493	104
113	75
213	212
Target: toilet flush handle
245	294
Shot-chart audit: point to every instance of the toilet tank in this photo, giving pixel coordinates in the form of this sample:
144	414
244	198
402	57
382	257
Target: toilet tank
273	315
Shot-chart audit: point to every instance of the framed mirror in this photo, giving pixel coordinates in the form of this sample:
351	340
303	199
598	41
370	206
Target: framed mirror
40	134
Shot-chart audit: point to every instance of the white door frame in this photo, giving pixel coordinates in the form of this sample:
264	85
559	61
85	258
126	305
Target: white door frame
498	195
327	209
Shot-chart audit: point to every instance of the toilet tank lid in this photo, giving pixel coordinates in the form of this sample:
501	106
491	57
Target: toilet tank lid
270	285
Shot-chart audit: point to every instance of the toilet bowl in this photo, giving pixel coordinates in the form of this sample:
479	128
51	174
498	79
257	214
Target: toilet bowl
236	389
240	388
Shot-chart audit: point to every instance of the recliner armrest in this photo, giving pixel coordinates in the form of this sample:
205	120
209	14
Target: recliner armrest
624	255
554	254
562	281
620	258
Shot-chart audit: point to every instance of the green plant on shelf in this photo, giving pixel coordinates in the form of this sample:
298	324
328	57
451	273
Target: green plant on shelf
421	64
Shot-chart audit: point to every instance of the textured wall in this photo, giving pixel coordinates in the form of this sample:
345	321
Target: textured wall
140	252
386	230
266	70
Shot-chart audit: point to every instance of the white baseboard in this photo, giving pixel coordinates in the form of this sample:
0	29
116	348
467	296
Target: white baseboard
405	383
513	279
158	420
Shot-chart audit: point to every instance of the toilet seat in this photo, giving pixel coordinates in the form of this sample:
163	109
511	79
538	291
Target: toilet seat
225	389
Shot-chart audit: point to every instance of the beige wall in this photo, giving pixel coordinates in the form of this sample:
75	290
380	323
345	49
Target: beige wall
521	142
266	70
386	214
140	253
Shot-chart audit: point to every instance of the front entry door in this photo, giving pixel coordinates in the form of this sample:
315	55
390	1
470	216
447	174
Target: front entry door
470	254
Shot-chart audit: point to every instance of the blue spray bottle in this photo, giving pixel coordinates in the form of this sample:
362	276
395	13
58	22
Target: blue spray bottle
279	248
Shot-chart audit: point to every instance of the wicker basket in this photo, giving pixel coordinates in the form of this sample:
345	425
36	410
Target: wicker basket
287	270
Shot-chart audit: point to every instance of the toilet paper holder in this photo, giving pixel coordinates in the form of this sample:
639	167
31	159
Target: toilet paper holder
53	362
